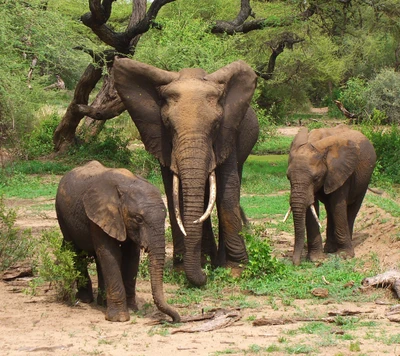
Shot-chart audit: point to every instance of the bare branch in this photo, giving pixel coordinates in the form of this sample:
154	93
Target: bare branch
238	25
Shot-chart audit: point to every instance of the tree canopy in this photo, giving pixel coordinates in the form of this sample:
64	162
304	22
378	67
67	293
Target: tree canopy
305	52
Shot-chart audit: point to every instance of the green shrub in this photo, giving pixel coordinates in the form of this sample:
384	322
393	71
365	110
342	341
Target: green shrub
15	245
353	97
40	141
261	262
55	265
384	95
386	142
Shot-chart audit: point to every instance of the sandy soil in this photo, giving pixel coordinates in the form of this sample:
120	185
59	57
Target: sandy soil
42	326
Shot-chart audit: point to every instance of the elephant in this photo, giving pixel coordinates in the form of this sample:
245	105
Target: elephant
201	129
332	166
111	214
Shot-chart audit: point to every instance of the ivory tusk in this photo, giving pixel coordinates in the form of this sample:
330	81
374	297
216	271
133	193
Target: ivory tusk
287	214
312	207
175	196
213	198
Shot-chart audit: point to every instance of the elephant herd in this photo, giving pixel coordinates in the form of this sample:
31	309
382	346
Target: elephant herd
201	129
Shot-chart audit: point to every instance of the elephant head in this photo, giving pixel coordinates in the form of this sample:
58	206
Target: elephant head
132	208
188	121
317	163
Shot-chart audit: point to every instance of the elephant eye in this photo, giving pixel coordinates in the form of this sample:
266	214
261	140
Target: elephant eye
138	219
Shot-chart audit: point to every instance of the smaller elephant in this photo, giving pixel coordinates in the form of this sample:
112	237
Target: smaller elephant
111	214
332	166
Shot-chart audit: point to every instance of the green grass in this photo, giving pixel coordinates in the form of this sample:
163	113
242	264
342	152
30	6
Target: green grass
265	175
28	186
298	282
389	205
274	145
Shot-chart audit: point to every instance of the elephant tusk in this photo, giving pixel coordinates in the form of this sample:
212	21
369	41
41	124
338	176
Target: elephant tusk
315	215
213	198
287	214
175	197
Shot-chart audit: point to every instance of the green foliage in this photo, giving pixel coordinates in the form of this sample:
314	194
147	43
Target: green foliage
185	42
384	95
55	265
298	282
261	262
353	96
25	34
386	142
40	141
15	245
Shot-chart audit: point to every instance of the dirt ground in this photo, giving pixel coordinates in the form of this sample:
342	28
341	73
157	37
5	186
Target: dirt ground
42	326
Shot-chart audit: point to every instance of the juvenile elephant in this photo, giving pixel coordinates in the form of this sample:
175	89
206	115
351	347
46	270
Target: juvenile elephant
111	214
333	166
201	129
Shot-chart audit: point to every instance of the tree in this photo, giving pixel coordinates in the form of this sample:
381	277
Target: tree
107	103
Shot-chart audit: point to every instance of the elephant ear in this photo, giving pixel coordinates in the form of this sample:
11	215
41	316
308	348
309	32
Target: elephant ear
137	84
102	206
342	156
239	80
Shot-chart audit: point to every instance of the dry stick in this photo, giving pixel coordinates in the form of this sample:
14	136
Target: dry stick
330	319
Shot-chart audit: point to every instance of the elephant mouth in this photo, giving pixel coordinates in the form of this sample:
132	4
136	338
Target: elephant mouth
313	211
211	202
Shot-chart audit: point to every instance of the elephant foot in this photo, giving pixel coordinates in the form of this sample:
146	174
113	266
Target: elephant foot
346	253
315	256
84	295
178	265
117	316
131	303
236	268
330	248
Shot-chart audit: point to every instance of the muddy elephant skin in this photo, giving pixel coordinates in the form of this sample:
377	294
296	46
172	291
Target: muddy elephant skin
201	129
332	166
111	214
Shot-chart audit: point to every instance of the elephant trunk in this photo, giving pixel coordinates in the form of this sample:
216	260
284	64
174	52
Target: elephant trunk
299	205
194	173
157	259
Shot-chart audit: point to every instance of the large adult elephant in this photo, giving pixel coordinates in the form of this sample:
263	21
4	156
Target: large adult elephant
111	214
333	166
201	129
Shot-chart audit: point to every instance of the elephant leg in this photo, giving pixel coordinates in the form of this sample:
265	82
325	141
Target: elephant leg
208	244
230	223
330	243
85	290
342	230
129	269
108	253
177	236
352	211
101	290
314	240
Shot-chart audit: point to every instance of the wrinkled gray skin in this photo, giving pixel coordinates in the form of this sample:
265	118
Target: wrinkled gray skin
111	214
332	166
195	124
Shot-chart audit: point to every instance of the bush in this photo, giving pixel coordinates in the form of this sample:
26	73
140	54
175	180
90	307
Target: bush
386	142
384	95
15	245
353	97
40	141
55	265
261	262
